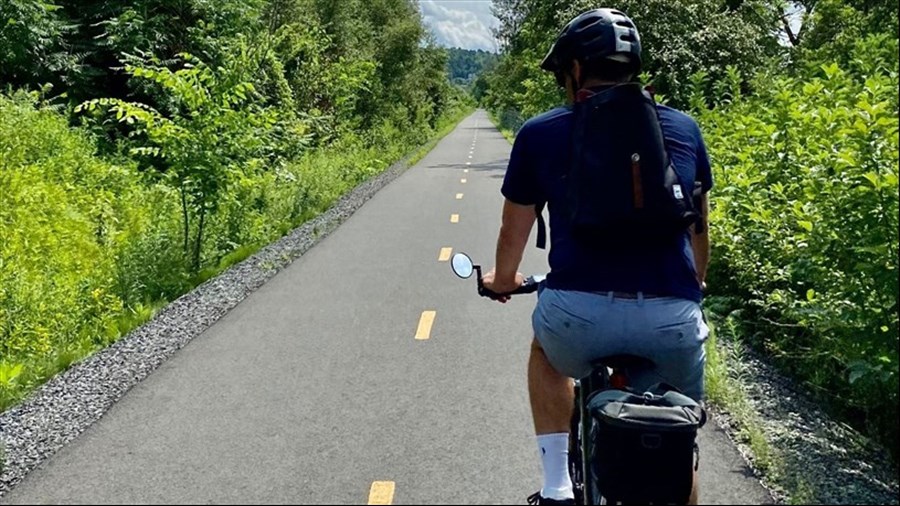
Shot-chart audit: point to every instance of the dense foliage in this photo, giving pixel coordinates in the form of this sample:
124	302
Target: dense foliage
148	144
802	129
805	232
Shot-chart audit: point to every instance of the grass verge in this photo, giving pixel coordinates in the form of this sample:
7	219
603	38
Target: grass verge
509	134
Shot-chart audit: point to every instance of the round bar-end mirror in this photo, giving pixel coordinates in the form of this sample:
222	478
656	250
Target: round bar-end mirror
462	265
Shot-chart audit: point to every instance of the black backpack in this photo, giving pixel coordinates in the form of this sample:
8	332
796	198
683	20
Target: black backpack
621	182
642	445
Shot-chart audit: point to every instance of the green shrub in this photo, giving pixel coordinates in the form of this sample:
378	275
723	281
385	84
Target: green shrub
805	230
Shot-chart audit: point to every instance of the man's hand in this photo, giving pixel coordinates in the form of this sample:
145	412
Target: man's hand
503	286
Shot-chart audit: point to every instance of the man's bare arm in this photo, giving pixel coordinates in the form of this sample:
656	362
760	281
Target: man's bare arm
514	231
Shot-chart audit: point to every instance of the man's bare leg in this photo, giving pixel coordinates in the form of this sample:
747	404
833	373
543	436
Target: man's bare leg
552	396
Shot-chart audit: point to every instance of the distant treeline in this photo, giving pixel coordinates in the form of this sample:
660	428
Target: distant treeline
465	65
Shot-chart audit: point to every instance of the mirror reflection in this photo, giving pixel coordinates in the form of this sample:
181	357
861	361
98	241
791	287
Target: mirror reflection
462	265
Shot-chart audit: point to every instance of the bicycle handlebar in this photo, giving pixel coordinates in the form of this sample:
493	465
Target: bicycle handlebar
464	267
529	286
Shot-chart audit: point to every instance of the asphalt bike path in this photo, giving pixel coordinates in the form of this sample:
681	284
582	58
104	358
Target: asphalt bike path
365	372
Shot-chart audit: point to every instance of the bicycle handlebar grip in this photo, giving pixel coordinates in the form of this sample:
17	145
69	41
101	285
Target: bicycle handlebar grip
529	286
484	292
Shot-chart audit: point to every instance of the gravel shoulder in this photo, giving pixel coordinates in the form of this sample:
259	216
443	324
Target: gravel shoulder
820	460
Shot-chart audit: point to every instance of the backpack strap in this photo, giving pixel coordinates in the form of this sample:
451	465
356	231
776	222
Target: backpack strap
699	226
541	225
539	212
697	194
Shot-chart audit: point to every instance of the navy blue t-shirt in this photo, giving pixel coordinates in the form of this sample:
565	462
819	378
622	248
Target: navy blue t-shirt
535	174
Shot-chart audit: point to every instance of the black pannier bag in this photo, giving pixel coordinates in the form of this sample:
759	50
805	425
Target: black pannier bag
642	445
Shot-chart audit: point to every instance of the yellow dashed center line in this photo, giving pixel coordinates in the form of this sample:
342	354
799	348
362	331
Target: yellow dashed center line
382	492
454	218
459	196
445	254
463	180
422	333
465	171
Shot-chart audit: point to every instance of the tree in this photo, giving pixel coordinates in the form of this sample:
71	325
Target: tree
31	50
832	30
678	38
215	136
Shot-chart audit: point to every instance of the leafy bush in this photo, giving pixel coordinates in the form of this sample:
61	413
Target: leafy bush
805	221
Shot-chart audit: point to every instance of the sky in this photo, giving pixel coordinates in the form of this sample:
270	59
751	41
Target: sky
461	23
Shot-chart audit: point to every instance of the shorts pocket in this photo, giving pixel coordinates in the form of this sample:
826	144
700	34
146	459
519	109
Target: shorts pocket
571	313
683	334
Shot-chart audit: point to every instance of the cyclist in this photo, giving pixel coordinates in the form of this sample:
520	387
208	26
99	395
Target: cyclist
599	302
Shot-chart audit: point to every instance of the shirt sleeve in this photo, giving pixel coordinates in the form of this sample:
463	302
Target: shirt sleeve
704	172
520	183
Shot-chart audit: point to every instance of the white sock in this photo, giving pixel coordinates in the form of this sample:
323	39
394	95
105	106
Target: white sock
554	451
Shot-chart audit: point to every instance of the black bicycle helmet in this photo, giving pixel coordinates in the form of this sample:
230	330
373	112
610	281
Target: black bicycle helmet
595	34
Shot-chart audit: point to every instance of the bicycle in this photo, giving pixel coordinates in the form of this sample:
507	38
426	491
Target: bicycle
610	372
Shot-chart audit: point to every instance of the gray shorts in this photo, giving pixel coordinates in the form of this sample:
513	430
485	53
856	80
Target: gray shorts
576	328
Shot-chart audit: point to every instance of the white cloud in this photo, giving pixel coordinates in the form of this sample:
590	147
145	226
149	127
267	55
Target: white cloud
460	23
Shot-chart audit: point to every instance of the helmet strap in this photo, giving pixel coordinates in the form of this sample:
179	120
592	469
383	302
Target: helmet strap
576	85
